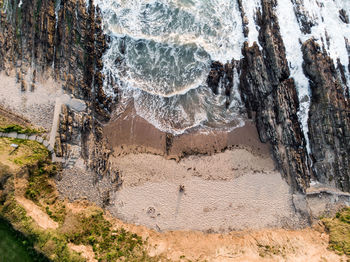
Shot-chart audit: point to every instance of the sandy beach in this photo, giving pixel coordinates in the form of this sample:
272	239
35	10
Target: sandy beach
214	181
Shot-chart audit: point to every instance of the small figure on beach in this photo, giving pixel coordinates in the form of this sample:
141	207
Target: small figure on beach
181	188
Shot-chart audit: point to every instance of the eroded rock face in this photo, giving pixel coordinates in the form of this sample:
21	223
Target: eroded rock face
270	94
329	119
65	39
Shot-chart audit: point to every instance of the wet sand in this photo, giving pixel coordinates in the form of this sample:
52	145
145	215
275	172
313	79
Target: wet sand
129	133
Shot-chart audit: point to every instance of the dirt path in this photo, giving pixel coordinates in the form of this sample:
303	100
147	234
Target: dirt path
86	251
41	218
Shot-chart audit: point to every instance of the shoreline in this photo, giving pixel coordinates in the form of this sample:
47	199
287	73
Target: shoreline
129	133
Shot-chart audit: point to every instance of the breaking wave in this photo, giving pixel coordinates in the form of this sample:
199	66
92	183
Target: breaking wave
160	55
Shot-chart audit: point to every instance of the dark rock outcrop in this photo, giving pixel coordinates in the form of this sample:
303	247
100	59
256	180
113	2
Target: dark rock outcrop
64	39
344	16
67	39
303	17
221	76
329	119
270	96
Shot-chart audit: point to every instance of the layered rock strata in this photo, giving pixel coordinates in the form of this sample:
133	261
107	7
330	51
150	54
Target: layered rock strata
62	39
329	119
271	98
270	95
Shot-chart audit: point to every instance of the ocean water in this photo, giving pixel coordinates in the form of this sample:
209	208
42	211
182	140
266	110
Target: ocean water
160	56
161	50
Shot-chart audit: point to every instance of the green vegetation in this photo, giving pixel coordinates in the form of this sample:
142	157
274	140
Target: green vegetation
30	158
108	244
4	175
52	244
43	193
87	226
339	231
10	124
267	250
28	152
38	186
18	129
16	247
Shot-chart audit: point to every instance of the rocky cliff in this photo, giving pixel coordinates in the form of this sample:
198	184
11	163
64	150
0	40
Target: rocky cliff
270	95
62	39
66	38
329	118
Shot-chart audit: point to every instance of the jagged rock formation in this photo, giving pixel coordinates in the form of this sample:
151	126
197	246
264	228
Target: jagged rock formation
270	93
329	120
67	38
270	96
64	38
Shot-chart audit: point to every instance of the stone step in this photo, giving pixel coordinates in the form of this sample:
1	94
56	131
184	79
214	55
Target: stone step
22	136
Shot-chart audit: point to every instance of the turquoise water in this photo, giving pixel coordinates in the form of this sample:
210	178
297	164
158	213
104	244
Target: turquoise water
14	247
159	58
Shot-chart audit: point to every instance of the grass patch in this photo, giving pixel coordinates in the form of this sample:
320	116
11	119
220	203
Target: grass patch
18	129
87	227
51	244
42	191
39	186
14	243
28	152
268	251
339	232
93	229
30	157
10	124
4	175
